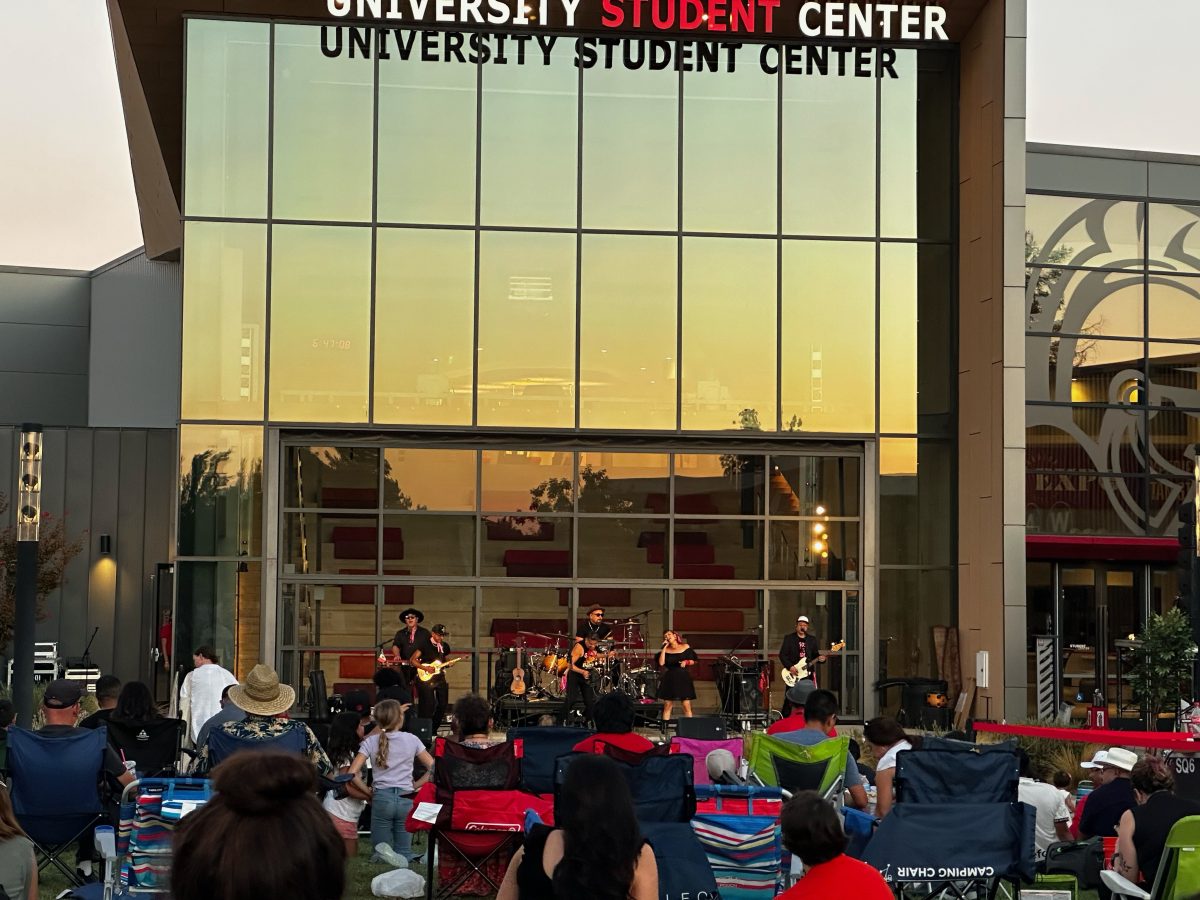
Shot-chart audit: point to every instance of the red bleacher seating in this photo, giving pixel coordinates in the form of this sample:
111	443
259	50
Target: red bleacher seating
693	571
706	598
695	554
356	665
364	594
527	631
728	621
359	542
537	563
603	596
349	498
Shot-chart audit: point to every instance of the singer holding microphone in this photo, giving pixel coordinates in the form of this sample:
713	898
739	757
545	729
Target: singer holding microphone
675	682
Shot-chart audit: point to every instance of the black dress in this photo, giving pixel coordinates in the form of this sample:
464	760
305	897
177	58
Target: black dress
675	682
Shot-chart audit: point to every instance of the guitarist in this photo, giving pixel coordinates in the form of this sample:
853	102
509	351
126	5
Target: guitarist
414	646
802	644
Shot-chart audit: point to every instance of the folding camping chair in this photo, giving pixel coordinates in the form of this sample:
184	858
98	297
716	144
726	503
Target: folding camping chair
794	767
56	790
661	785
699	749
738	826
150	812
482	818
153	745
543	744
1178	869
222	744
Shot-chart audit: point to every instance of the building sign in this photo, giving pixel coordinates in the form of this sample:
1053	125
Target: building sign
760	19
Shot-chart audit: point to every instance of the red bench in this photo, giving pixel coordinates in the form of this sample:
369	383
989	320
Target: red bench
694	554
349	498
537	563
603	596
710	598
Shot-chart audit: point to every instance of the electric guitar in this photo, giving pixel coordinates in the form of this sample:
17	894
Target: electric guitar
802	667
518	677
437	666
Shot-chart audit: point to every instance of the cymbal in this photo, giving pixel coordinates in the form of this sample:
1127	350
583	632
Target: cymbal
533	633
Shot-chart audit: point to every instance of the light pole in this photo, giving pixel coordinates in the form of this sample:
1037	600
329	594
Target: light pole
29	518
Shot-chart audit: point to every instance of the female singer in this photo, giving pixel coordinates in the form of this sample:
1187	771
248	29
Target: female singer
675	682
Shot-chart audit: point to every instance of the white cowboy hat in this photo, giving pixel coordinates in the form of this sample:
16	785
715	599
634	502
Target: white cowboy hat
1097	761
261	694
1120	758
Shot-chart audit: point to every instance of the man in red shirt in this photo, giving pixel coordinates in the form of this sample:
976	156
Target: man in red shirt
613	714
812	831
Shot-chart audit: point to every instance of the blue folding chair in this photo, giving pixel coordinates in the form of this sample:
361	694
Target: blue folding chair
222	744
543	744
56	792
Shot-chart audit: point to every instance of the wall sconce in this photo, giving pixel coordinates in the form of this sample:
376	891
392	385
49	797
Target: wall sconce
105	544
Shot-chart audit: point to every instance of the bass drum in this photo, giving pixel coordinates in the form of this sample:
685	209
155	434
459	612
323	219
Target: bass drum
550	661
561	666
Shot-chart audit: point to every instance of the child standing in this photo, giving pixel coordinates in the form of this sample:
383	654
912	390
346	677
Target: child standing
345	806
392	753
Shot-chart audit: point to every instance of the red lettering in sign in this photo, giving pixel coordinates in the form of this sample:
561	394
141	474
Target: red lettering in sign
613	15
690	15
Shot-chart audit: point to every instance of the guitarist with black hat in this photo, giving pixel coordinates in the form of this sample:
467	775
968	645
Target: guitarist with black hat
800	645
414	645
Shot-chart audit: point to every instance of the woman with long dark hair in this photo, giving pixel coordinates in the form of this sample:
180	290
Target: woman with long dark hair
1142	832
345	805
886	739
135	703
597	850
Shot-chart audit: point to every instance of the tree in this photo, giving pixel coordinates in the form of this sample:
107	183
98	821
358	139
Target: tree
1163	663
596	494
55	551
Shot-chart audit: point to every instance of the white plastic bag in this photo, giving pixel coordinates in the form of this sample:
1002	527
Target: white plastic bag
398	883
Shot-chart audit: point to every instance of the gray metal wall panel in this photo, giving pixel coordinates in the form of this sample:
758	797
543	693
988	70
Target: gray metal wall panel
1175	181
44	299
106	488
1085	174
136	323
43	348
8	447
44	398
54	456
128	553
73	622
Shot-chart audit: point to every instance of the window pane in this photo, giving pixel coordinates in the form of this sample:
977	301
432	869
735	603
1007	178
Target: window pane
621	482
331	478
426	139
1174	308
815	485
729	328
220	490
630	115
1174	238
615	548
225	156
1173	432
336	544
627	374
1084	503
1073	231
911	602
526	547
423	363
898	148
428	479
320	323
916	524
1081	369
527	329
814	550
1081	302
828	369
518	614
736	549
1175	375
431	545
829	155
333	615
224	320
898	338
323	128
1102	438
453	607
530	141
517	480
726	484
219	603
730	126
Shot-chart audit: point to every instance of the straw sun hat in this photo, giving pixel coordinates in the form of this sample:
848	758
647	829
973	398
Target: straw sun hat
261	694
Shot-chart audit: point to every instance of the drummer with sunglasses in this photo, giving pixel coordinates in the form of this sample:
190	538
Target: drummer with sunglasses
594	625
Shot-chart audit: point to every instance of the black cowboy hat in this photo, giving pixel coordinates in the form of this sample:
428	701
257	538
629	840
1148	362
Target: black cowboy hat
416	612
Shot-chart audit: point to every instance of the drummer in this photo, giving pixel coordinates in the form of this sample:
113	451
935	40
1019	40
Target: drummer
579	688
593	626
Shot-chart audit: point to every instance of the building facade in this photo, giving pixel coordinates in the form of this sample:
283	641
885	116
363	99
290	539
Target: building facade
502	321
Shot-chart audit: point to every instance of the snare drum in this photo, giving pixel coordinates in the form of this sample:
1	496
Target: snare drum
550	661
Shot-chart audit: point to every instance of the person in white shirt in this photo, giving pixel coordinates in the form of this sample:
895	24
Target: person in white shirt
1053	818
200	694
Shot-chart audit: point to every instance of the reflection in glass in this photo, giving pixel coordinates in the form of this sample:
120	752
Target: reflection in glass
729	329
526	329
815	550
828	369
829	156
1075	231
621	482
220	490
1082	369
423	363
1097	304
627	375
433	545
898	338
1084	503
630	148
225	152
618	548
1174	238
730	147
1174	375
530	135
519	480
220	604
1173	433
426	140
320	323
916	521
323	129
428	479
815	485
336	544
1086	439
897	456
727	484
508	611
1174	308
453	607
331	478
224	320
898	148
517	546
735	549
911	603
336	615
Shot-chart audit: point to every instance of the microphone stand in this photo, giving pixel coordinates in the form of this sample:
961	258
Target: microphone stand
86	659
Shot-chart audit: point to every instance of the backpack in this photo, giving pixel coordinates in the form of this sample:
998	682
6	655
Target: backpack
1083	859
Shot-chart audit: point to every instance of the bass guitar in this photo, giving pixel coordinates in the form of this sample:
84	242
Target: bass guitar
437	666
518	678
802	667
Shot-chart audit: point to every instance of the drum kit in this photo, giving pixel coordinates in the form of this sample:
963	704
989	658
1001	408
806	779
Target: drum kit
621	662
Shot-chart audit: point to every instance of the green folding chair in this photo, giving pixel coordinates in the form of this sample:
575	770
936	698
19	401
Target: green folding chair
1178	870
793	767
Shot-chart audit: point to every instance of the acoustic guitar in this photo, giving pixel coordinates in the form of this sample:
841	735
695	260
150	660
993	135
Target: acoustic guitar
437	666
518	678
802	667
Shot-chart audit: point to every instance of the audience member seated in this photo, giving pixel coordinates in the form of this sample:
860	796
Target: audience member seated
390	684
18	865
613	715
812	830
820	717
473	722
108	688
200	693
1097	778
886	739
263	835
135	704
1142	832
60	709
265	702
1052	816
597	850
230	712
1108	803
